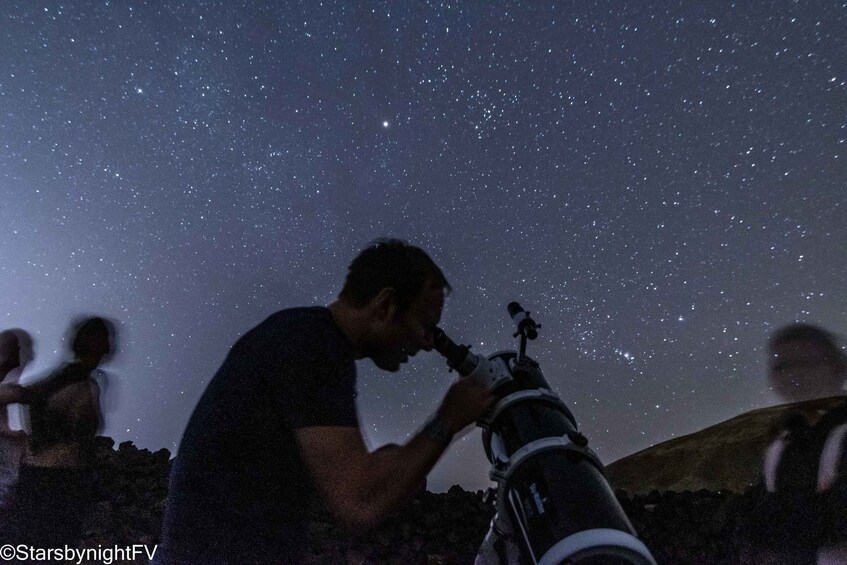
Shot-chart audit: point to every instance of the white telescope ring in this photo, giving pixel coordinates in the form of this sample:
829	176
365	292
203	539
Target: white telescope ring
522	396
538	446
606	538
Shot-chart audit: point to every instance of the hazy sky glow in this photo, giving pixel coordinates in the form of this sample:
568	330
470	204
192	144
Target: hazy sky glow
661	183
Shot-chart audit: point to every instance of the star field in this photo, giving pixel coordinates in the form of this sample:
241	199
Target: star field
661	183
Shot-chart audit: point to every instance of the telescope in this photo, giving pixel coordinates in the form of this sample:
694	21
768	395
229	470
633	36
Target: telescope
553	503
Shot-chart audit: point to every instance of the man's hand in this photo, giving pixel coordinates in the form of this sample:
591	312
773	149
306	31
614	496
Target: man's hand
465	402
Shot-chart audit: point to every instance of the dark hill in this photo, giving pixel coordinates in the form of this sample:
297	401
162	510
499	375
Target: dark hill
726	456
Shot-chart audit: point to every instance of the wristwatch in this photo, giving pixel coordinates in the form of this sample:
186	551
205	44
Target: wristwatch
436	429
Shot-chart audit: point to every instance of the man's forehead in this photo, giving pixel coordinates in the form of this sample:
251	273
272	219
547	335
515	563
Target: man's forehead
431	300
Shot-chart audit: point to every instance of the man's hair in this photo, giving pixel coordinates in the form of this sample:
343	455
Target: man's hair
84	330
811	334
391	263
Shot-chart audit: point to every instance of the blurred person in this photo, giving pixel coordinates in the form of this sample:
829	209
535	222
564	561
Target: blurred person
806	362
15	353
799	516
277	426
50	499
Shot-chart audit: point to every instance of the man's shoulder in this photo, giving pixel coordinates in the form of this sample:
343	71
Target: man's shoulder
299	324
302	315
303	330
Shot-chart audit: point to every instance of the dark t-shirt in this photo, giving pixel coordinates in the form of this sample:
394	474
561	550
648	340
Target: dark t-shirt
239	490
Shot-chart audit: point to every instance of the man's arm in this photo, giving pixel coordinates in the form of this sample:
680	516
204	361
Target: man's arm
15	394
362	488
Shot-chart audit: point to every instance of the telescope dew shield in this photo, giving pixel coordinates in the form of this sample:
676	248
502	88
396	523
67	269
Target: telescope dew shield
552	494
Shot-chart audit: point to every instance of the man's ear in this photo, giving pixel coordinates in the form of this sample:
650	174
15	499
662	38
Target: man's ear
384	304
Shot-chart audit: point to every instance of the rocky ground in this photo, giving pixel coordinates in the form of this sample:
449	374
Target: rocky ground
130	495
689	527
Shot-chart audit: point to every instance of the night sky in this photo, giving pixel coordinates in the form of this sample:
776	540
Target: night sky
661	183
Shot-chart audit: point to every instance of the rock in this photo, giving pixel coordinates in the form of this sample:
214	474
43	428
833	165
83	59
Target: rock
692	526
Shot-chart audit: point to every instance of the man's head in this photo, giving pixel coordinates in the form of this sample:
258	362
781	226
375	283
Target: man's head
806	363
398	293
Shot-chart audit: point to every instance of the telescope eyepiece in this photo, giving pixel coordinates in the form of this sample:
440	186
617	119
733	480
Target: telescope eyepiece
449	349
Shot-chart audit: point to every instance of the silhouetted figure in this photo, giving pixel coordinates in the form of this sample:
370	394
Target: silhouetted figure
806	363
801	516
53	490
277	426
15	354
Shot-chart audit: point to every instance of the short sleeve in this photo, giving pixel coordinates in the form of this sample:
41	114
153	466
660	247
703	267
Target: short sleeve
320	394
316	383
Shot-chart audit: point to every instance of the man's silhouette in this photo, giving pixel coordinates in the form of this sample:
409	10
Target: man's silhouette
278	426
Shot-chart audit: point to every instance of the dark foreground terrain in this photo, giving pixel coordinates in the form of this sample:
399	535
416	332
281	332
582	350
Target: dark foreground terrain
686	527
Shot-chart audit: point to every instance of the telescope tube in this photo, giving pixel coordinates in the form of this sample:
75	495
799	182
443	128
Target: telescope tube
554	505
552	496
